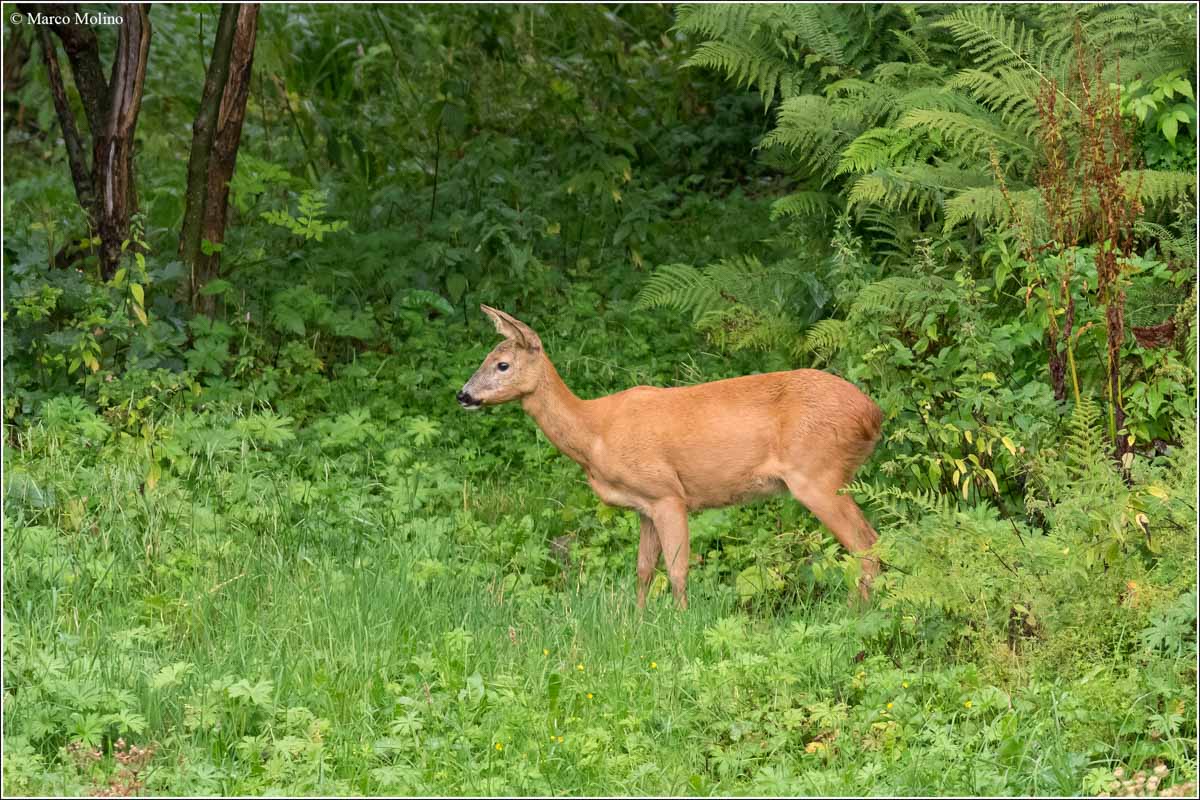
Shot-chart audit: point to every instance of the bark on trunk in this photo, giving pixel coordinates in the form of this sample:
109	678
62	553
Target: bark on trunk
83	51
106	190
112	147
76	154
216	134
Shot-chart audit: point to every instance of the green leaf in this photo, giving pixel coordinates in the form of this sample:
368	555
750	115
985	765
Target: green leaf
171	674
219	286
456	286
1170	127
553	689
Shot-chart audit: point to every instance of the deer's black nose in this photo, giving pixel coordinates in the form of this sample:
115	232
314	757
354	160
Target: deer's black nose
465	399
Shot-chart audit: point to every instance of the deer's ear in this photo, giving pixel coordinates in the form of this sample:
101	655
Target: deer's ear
512	328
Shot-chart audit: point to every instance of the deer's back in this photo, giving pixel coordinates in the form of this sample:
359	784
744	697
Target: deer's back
716	443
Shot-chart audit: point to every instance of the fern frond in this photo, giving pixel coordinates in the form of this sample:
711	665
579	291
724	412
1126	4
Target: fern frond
888	297
875	149
680	287
1084	446
919	187
1011	93
892	234
1181	245
747	64
806	128
804	204
968	133
824	338
911	47
715	21
1156	187
985	205
899	505
807	27
684	288
995	41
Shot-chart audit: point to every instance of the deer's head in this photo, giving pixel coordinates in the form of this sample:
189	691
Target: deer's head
511	371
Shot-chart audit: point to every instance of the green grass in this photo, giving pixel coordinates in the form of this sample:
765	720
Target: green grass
368	605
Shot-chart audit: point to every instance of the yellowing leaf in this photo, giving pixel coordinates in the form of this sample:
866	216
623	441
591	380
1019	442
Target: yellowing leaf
140	314
1158	491
967	434
153	476
1008	444
138	293
992	477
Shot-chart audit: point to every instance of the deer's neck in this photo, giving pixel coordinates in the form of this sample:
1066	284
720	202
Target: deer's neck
561	415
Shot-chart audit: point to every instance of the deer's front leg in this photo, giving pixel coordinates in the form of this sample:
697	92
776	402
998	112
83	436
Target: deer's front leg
648	551
670	520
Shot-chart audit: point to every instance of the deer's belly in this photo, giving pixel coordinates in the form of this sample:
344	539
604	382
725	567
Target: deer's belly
696	494
616	495
718	495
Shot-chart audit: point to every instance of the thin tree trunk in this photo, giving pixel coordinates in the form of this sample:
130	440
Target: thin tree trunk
83	51
227	140
216	134
76	154
106	191
112	148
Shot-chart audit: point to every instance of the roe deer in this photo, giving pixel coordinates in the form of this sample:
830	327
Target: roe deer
665	452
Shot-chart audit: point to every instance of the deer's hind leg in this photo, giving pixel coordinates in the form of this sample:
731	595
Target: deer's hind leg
843	517
671	522
649	548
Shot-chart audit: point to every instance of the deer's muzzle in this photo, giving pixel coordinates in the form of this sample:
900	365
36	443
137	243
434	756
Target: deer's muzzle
467	401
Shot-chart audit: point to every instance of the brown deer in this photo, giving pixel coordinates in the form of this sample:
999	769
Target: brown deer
665	452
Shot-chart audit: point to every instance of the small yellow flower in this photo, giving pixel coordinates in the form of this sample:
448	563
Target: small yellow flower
903	684
861	675
967	704
552	737
545	652
889	706
579	667
1066	550
560	740
499	746
653	665
813	747
589	695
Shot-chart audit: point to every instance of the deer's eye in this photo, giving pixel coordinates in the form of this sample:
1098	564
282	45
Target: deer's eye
502	366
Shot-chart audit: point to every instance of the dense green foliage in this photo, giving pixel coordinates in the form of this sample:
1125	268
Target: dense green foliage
269	547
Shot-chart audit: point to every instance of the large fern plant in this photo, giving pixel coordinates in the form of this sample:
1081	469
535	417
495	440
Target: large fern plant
898	110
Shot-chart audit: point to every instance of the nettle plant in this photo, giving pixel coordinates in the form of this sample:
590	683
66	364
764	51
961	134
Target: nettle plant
1165	108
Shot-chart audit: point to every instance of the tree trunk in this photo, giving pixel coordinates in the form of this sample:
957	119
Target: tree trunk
76	155
106	191
83	51
112	145
216	134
